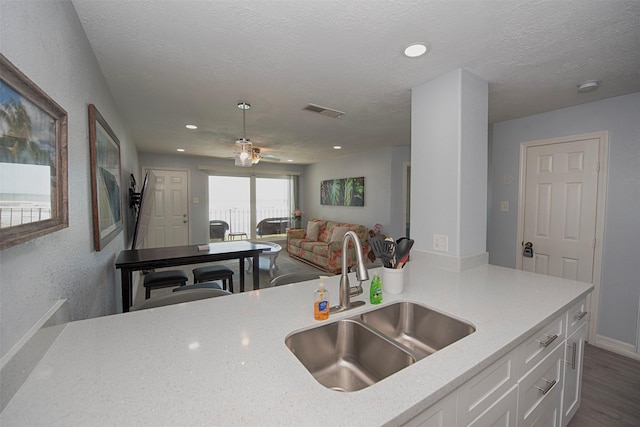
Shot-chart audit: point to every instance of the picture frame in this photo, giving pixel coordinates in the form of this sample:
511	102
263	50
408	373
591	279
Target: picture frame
33	160
342	192
106	197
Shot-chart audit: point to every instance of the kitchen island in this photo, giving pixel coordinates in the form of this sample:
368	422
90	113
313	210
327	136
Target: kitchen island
224	361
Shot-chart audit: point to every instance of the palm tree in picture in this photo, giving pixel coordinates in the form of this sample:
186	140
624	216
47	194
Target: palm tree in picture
336	192
16	144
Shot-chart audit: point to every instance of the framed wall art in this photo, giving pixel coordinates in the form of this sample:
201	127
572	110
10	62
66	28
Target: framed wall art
105	180
342	192
33	160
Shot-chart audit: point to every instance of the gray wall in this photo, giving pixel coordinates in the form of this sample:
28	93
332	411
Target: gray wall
382	171
46	42
620	281
199	184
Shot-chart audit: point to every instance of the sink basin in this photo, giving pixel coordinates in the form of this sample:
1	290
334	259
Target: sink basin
424	331
346	355
354	353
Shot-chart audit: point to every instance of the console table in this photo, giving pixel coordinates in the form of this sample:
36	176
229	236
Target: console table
145	259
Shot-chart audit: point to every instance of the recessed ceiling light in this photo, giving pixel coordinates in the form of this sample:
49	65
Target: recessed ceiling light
588	86
289	160
337	147
180	149
415	50
191	126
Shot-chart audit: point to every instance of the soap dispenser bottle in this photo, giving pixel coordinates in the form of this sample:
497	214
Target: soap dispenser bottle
321	302
375	290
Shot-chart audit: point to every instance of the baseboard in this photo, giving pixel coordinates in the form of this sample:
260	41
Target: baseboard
615	346
17	364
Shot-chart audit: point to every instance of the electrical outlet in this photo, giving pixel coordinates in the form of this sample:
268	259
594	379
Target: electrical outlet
504	206
441	242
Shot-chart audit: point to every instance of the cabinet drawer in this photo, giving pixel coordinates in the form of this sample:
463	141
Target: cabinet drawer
540	344
576	316
539	391
483	390
501	413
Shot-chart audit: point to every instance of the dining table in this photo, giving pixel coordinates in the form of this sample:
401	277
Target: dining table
129	261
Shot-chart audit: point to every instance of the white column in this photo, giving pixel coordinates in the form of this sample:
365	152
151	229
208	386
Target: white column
449	130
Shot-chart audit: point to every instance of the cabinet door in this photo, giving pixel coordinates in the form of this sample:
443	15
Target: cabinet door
485	389
574	355
540	392
441	414
503	413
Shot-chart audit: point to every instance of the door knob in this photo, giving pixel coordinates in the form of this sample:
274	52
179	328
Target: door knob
528	250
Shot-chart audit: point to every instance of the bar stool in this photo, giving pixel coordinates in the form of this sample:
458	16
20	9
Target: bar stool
161	279
214	272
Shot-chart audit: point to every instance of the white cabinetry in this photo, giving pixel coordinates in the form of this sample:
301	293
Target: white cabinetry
540	391
574	355
440	414
536	384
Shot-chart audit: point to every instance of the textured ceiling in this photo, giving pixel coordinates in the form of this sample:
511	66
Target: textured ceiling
169	63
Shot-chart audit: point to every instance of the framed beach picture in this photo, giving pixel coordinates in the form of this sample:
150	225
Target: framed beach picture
33	160
105	180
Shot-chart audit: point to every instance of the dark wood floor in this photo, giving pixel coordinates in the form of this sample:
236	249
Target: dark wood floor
610	390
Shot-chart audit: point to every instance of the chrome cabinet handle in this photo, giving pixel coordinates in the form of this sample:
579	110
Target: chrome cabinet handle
580	315
549	340
574	349
550	384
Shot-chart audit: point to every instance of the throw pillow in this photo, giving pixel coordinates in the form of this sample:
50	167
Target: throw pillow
338	234
313	229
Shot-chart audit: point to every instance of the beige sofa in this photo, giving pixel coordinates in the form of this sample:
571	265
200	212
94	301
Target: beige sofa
324	249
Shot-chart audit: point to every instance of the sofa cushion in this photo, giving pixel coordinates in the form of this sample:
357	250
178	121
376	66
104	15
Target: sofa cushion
313	229
338	233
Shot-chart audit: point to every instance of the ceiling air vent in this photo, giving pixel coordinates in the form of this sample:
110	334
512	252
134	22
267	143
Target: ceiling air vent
324	111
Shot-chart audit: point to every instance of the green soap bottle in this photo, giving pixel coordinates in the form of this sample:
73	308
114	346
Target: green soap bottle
375	290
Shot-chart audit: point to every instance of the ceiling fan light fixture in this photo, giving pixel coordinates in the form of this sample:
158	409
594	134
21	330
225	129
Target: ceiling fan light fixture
243	148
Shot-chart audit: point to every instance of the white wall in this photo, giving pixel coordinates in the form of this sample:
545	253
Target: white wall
45	40
199	182
382	171
620	281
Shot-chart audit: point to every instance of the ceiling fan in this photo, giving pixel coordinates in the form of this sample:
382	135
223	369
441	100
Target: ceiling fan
256	156
246	154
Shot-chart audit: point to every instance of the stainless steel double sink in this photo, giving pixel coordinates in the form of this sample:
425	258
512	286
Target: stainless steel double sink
354	353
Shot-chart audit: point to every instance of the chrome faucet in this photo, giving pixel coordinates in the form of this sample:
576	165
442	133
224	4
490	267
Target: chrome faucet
346	292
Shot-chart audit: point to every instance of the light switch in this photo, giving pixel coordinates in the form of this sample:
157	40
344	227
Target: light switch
504	206
196	200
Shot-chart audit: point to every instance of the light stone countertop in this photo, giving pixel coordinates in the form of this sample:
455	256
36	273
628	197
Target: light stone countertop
223	361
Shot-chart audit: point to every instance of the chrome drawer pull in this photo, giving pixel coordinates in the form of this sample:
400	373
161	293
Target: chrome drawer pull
580	315
550	339
549	386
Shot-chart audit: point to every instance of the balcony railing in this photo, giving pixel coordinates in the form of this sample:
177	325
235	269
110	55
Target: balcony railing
11	216
238	219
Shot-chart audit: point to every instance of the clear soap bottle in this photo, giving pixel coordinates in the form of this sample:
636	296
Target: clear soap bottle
321	302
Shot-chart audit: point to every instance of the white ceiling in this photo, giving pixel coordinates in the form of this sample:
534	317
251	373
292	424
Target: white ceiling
169	63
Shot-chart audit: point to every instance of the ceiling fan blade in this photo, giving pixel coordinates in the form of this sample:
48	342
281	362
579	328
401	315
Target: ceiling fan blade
269	158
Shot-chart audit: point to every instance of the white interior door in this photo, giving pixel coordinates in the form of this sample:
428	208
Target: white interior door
169	223
561	188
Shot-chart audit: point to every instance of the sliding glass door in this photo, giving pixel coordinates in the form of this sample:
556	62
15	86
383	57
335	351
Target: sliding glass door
242	207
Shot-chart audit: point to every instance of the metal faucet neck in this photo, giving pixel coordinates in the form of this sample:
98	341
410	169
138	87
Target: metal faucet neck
361	274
